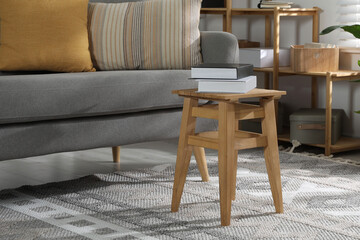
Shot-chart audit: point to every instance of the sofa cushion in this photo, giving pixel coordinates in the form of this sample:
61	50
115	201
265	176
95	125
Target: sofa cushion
44	35
38	96
158	34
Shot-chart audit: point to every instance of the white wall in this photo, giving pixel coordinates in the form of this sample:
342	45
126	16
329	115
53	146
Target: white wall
298	30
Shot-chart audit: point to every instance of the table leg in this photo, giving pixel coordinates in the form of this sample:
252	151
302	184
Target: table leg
226	158
271	152
116	154
328	115
184	152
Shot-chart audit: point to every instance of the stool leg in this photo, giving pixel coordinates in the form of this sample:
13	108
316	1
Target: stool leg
184	152
226	159
271	152
199	153
233	193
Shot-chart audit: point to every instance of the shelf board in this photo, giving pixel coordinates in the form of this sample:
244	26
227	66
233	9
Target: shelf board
289	71
221	11
343	144
282	12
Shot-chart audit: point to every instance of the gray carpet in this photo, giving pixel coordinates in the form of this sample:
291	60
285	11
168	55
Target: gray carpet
322	201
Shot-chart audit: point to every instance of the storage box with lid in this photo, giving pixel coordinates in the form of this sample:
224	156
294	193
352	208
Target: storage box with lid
308	126
264	57
349	58
314	59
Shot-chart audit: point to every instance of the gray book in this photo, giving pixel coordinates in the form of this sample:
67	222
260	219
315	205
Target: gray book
221	71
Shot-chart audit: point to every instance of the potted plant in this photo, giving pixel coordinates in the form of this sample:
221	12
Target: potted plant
353	29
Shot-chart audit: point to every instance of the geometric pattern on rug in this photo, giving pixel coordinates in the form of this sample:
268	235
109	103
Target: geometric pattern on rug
321	201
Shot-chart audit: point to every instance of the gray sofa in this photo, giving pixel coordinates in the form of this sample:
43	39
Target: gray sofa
43	113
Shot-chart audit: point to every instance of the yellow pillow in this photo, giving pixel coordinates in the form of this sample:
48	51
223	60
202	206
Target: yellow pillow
48	35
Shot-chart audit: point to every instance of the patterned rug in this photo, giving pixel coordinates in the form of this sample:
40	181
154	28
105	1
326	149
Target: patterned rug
321	201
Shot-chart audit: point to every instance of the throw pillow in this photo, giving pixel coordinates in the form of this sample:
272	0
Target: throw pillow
45	35
157	34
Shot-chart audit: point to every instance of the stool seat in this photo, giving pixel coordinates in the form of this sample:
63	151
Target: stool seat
230	97
228	140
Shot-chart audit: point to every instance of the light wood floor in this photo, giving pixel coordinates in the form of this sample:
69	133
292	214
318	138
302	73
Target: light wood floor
72	165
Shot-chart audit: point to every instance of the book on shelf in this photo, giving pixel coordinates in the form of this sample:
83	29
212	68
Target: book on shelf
221	71
274	4
263	6
241	85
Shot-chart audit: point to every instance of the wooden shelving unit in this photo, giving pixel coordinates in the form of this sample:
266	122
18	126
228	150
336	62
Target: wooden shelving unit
342	145
213	11
276	13
345	143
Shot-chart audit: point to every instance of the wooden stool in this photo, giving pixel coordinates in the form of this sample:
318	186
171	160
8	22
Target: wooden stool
228	140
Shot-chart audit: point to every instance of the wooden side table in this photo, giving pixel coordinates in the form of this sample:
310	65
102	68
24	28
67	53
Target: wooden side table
228	140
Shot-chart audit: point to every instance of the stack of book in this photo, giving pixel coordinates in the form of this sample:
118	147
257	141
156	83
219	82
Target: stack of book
224	78
274	4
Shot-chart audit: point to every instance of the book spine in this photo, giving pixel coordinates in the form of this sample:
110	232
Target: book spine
244	72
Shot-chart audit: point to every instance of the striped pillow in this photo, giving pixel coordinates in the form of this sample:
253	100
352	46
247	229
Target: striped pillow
157	34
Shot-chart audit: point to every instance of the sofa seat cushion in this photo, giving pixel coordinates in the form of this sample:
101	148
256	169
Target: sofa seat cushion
44	96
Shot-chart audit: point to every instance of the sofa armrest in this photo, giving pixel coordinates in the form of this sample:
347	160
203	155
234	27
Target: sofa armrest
219	47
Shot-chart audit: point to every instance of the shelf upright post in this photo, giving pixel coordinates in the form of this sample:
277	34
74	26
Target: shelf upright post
315	38
329	89
227	21
267	44
224	22
276	40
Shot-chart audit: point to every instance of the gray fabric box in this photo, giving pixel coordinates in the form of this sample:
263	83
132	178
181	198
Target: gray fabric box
308	126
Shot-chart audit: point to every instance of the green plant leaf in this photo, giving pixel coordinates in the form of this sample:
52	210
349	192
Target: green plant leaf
330	29
358	112
353	29
359	63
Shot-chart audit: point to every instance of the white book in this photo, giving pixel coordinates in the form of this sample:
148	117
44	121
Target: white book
242	85
226	73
